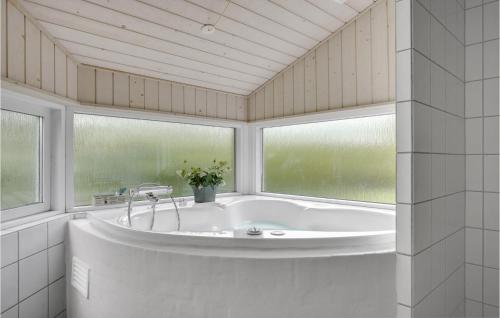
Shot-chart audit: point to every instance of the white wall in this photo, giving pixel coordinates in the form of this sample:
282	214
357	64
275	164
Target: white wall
481	126
430	158
33	269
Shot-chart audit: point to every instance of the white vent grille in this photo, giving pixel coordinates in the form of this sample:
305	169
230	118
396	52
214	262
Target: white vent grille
80	276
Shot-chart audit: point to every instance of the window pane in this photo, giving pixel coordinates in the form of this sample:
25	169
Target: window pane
112	152
351	159
20	159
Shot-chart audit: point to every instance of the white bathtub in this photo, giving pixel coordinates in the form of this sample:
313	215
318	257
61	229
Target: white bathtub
331	261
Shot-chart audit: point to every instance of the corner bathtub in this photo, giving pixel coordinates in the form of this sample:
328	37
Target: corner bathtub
330	261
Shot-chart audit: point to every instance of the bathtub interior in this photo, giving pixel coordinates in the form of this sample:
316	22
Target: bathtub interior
241	213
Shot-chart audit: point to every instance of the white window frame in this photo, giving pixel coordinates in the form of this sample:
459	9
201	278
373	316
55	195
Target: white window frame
255	147
240	130
29	104
57	169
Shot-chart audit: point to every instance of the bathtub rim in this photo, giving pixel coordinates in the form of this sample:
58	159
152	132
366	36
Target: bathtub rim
358	243
235	251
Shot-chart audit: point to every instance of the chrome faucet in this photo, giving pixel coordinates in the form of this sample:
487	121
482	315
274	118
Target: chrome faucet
154	200
151	191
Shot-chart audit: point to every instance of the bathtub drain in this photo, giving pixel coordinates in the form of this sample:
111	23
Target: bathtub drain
277	233
254	231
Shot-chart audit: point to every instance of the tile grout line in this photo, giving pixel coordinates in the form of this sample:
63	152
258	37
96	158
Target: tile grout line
465	151
48	271
481	302
481	265
478	43
482	157
18	274
440	284
430	200
440	22
47	284
430	106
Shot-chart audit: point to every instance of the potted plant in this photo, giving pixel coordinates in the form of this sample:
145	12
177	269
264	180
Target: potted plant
205	181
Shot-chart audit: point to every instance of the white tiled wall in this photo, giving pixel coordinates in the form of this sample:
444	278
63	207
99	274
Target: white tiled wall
33	270
482	120
431	160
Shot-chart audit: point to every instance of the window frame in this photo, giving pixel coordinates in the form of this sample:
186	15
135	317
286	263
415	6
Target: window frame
46	110
57	144
256	147
240	133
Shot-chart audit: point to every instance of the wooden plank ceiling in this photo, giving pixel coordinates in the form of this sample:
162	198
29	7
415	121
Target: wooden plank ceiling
253	41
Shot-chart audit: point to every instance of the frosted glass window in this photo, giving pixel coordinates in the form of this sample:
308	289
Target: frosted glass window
350	159
111	153
20	159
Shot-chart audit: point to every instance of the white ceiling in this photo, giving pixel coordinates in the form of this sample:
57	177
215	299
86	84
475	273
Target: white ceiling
255	39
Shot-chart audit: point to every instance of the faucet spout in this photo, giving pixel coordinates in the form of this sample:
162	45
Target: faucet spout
151	191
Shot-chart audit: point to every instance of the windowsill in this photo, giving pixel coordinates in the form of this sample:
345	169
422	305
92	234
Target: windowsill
141	203
364	204
189	199
29	221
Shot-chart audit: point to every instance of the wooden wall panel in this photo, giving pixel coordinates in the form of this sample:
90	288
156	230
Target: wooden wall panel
15	43
221	105
278	96
349	65
231	107
104	87
165	96
251	107
391	42
86	84
116	88
29	56
189	100
201	102
32	57
211	104
48	65
310	82
151	98
4	36
380	56
72	78
288	92
33	76
269	100
60	72
335	71
363	60
322	77
241	113
298	87
354	66
136	92
260	105
121	89
177	98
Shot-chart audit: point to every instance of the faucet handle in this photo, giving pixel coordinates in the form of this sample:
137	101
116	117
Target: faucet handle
144	189
152	198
